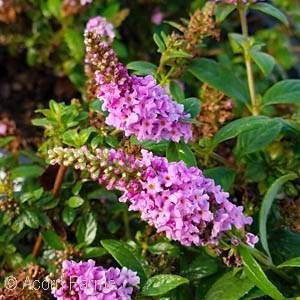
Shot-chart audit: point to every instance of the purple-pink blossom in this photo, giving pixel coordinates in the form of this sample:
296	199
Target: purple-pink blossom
140	107
84	2
101	27
137	105
3	129
182	203
157	16
178	201
251	239
84	280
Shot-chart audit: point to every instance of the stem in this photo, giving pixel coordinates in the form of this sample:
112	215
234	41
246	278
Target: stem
242	12
57	184
37	246
203	152
59	178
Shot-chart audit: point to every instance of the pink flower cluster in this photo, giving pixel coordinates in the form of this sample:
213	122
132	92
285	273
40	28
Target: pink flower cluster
137	105
182	203
177	200
101	27
84	280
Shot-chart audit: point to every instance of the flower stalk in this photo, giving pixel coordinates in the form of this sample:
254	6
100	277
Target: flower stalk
242	8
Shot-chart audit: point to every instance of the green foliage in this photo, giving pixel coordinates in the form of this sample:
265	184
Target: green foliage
161	284
220	78
270	10
230	286
181	151
255	273
266	207
125	257
286	91
252	151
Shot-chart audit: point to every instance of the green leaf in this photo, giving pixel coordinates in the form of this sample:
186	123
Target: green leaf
186	154
174	24
237	42
85	133
237	127
150	145
71	138
285	243
6	140
171	153
270	10
258	138
161	284
256	171
96	105
164	247
181	151
95	142
176	91
178	53
192	106
203	266
41	122
222	10
68	215
26	171
220	78
31	219
229	287
222	176
92	252
112	141
159	42
18	224
142	68
255	293
293	262
285	91
87	229
289	128
266	207
77	188
125	257
75	44
255	273
54	8
263	60
53	240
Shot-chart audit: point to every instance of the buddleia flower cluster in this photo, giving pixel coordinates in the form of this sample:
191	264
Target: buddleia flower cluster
85	280
136	105
177	200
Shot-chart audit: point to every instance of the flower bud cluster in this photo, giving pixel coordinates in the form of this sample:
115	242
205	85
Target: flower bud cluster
177	200
112	167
